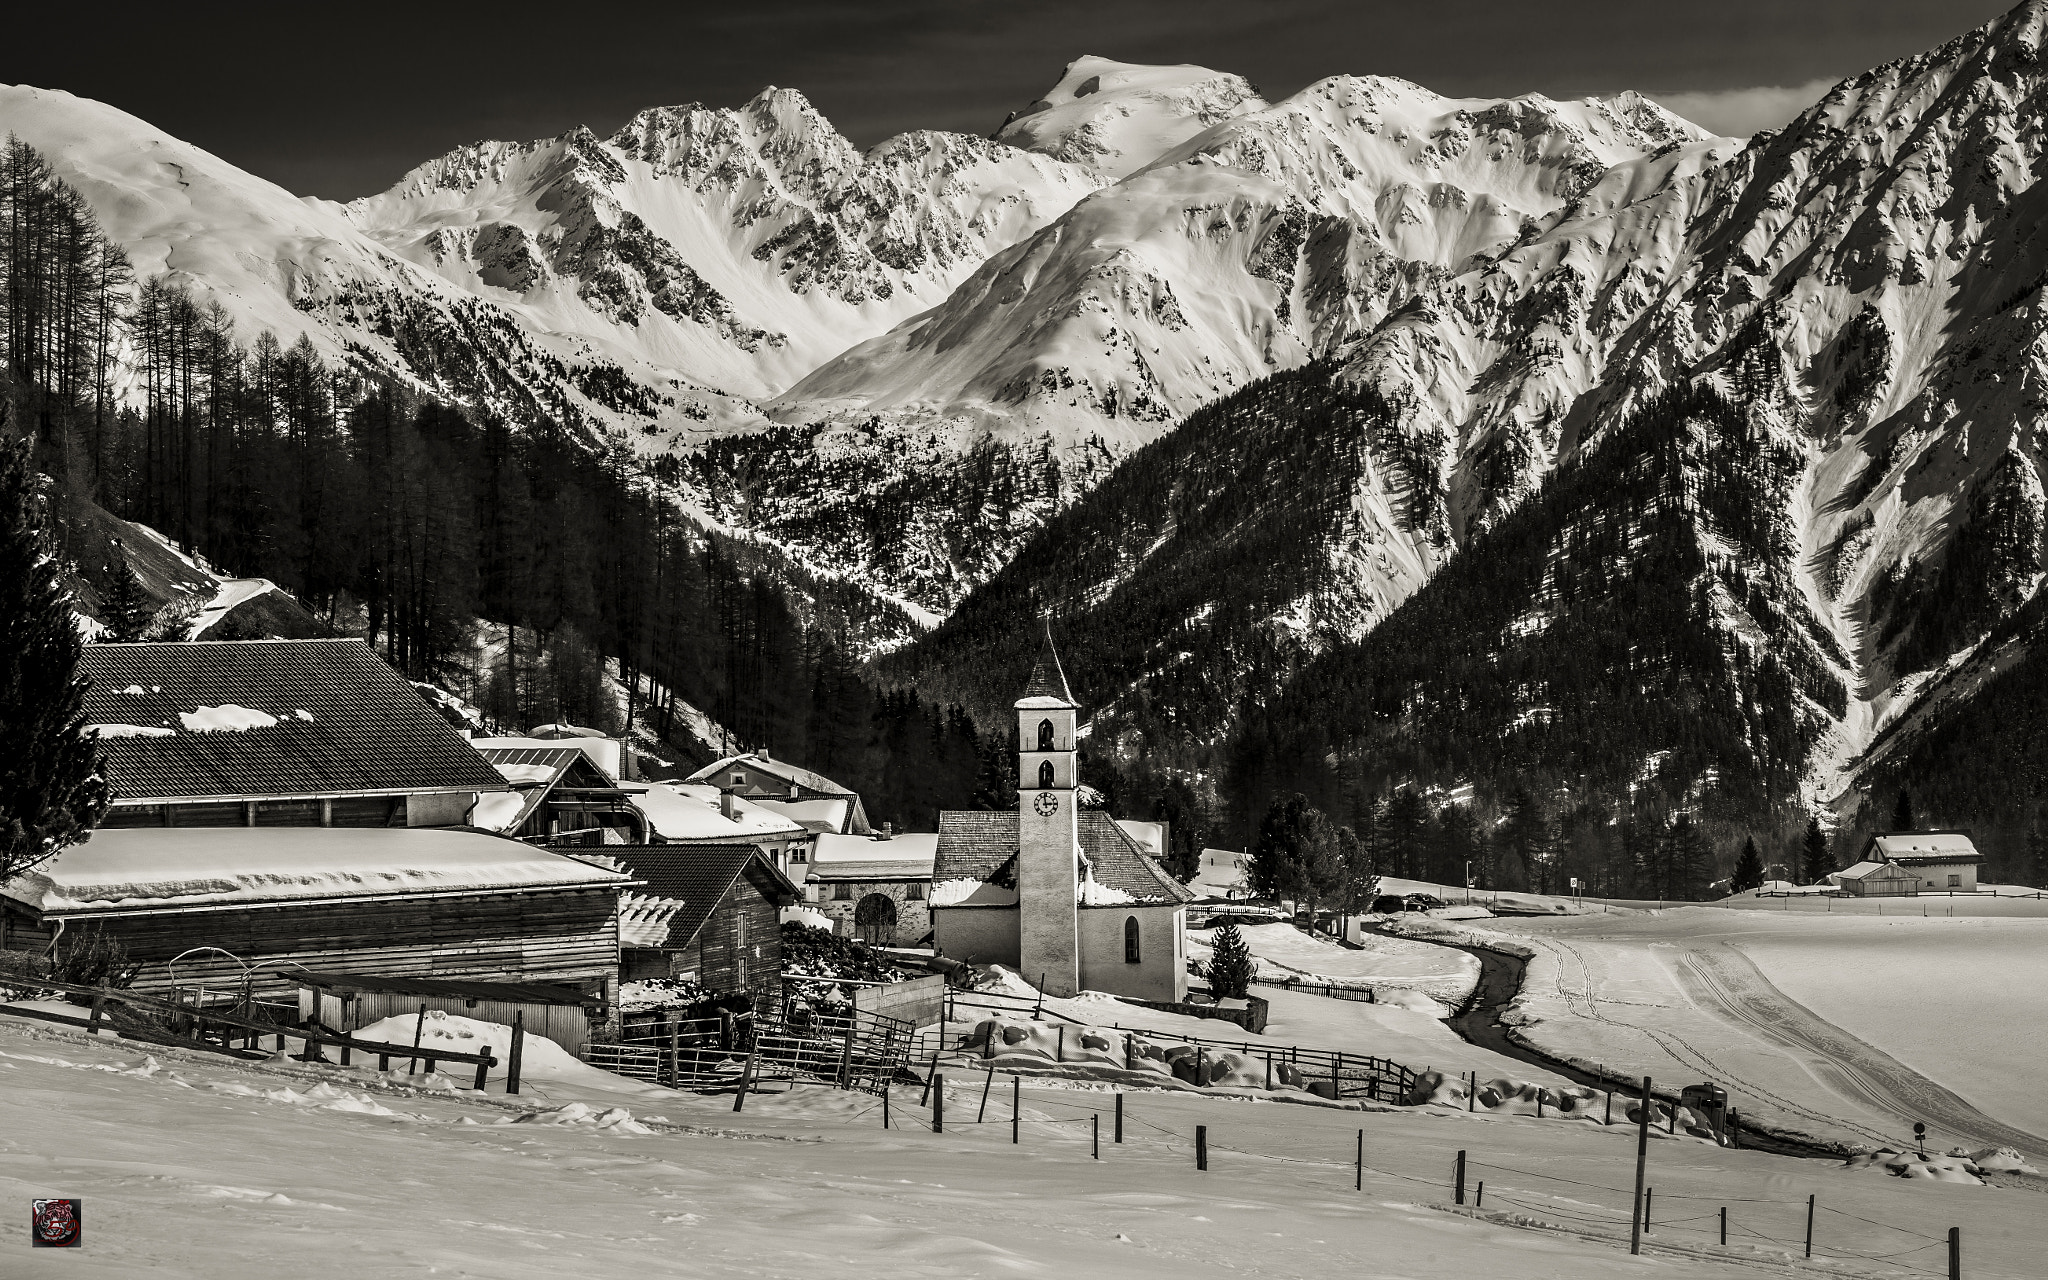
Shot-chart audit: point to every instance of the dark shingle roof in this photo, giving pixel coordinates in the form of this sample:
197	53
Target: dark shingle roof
976	845
1048	680
699	874
364	729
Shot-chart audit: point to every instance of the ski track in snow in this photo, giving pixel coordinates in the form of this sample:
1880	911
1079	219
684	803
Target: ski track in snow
1723	979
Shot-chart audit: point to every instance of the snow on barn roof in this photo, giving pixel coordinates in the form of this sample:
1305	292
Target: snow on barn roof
681	813
535	768
1924	848
169	868
1873	870
198	719
699	876
975	845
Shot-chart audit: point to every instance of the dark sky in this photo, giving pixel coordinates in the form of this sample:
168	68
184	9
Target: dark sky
339	100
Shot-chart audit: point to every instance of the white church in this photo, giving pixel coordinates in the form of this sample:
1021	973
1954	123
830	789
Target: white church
1055	891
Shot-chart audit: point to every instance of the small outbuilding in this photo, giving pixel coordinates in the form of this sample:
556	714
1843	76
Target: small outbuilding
874	888
1875	880
727	935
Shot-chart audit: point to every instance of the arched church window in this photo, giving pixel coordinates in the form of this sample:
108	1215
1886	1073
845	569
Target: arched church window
1045	735
1044	774
1131	950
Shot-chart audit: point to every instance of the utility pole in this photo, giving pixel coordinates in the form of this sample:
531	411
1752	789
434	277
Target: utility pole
1635	1226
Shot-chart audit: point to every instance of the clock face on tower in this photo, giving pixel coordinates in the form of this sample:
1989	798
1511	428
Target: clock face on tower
1047	804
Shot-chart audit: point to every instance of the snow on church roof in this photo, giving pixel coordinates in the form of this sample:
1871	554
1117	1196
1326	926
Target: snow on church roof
975	846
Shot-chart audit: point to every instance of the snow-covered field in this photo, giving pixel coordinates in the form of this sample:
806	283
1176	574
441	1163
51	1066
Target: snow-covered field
1844	1027
195	1165
1389	966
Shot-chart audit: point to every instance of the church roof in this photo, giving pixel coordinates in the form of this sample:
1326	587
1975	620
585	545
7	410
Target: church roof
978	846
1048	684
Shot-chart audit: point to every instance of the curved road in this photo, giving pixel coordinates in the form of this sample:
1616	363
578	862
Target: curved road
1721	978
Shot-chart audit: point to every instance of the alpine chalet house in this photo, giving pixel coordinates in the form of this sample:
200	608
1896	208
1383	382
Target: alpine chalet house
727	935
294	804
1061	894
559	796
1938	861
804	796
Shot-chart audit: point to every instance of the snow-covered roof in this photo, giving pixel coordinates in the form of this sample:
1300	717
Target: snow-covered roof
1150	837
1872	871
269	718
1047	688
830	815
1924	848
680	812
160	868
980	845
909	846
603	752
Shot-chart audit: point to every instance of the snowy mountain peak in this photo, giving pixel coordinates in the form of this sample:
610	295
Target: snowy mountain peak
1117	117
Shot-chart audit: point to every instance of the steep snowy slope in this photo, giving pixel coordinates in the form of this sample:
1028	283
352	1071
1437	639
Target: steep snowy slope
1273	237
1116	117
738	248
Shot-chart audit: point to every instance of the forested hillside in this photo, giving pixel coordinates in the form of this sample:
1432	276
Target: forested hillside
448	540
1625	646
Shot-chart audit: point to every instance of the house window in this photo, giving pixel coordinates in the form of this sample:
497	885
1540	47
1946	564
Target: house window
1955	882
1045	735
1131	950
842	893
1044	775
739	779
798	853
914	893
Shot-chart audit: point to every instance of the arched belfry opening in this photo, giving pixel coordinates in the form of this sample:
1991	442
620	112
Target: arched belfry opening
1045	742
1044	775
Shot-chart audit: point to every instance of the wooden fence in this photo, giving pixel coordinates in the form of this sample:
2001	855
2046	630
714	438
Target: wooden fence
854	1050
173	1023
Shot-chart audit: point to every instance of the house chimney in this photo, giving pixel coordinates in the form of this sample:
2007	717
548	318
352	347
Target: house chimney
763	754
725	806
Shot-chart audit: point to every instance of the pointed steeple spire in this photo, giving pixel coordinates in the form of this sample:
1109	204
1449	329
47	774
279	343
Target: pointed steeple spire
1048	683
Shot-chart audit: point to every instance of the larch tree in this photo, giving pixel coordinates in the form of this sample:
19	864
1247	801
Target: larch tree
1818	853
52	792
1749	869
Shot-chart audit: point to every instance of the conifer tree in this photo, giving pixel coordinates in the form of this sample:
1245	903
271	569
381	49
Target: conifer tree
1230	965
1749	869
51	789
1819	855
127	606
1902	813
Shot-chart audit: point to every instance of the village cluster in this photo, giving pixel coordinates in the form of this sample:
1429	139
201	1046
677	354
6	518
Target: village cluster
293	814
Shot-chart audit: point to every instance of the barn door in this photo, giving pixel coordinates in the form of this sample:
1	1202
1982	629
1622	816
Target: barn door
874	920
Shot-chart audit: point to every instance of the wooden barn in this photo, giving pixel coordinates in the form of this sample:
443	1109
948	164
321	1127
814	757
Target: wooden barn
221	906
728	933
274	733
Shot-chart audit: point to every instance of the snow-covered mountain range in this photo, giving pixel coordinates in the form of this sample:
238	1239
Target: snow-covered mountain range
906	364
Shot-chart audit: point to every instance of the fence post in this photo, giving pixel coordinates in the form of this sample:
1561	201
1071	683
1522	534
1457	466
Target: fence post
886	1087
483	1070
1016	1105
1734	1138
1360	1185
1038	1009
846	1057
990	1083
1955	1253
99	1002
1479	1196
1458	1194
739	1099
516	1052
675	1055
1724	1226
1119	1117
1649	1195
419	1028
1809	1224
1202	1147
938	1086
1472	1096
348	1016
1635	1209
1097	1135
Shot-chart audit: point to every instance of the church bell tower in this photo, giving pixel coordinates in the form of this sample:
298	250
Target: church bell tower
1048	829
